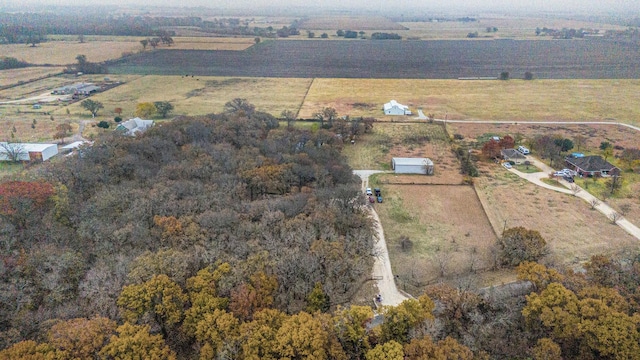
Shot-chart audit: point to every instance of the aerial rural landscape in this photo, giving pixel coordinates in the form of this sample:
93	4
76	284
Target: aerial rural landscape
332	181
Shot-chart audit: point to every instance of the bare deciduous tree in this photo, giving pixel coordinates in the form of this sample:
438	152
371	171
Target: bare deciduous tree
594	202
614	217
575	189
13	152
442	260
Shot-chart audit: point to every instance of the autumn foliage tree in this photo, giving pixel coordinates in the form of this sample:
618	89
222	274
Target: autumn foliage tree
135	342
81	338
491	149
519	244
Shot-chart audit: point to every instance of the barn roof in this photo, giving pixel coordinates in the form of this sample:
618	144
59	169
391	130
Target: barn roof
30	147
394	103
412	161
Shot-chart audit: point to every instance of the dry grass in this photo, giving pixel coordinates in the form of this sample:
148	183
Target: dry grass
16	76
43	131
65	52
508	27
573	231
210	43
445	224
388	140
355	23
201	95
517	100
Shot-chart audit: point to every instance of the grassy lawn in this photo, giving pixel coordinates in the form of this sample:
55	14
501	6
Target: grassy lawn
552	182
7	168
527	169
387	140
516	100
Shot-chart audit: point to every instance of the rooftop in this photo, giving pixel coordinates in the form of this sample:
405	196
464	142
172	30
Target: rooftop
591	163
412	161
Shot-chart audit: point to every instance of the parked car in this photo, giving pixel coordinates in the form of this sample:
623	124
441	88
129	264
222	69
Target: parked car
523	150
377	191
565	172
568	179
507	165
371	200
368	191
379	199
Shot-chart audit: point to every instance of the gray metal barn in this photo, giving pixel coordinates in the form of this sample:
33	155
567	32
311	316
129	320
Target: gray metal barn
412	166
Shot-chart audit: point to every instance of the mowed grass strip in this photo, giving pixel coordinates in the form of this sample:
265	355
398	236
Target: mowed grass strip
443	224
513	100
201	95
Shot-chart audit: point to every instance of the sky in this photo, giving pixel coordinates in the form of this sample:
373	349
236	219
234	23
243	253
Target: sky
580	6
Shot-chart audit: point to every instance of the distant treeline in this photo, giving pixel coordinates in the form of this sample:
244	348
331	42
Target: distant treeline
15	28
385	36
11	63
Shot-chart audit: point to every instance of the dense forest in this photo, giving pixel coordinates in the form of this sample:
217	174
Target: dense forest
229	237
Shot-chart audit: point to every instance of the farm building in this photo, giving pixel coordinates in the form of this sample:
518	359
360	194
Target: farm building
593	165
395	108
27	152
133	127
77	88
513	155
412	166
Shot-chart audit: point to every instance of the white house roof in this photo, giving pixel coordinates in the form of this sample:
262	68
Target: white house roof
132	126
29	147
393	103
412	161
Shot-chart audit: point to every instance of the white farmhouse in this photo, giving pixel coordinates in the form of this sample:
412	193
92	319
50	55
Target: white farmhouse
395	108
27	152
134	126
412	166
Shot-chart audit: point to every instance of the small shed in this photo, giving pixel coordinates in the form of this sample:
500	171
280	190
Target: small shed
395	108
28	152
412	166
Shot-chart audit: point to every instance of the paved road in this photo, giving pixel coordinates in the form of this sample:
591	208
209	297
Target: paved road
382	272
574	189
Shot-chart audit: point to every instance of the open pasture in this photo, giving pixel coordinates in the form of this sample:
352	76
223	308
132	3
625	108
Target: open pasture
392	59
65	52
572	230
200	95
17	76
508	27
514	100
435	233
211	43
